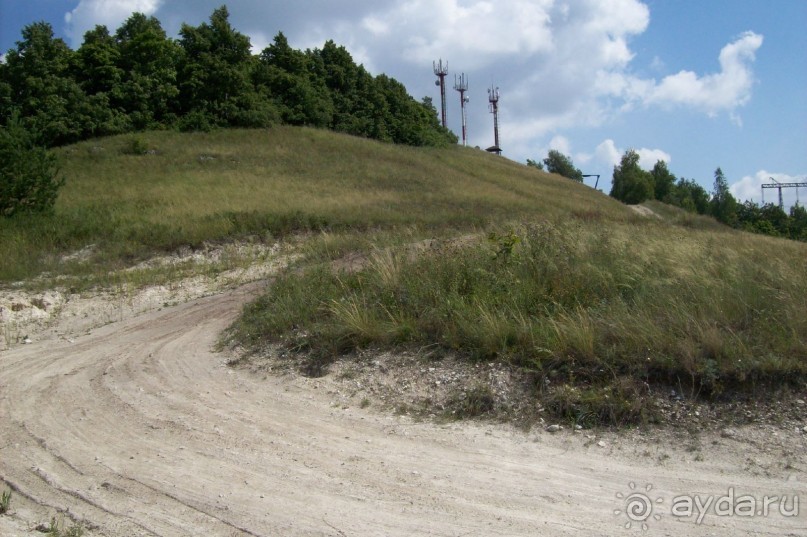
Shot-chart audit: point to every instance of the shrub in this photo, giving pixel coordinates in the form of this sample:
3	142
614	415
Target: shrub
136	146
29	179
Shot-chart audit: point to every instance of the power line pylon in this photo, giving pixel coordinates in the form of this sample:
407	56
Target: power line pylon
440	72
461	86
779	186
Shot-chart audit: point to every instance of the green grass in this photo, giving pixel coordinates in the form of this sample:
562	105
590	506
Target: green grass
5	502
599	312
57	529
451	249
130	197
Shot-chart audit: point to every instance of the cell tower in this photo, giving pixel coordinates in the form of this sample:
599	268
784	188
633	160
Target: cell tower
441	71
493	99
461	86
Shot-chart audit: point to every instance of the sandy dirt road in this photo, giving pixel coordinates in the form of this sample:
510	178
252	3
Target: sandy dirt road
138	428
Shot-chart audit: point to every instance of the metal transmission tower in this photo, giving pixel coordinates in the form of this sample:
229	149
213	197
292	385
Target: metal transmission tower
461	86
493	99
441	71
776	184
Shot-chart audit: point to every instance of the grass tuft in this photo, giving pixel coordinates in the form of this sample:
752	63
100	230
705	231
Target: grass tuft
5	502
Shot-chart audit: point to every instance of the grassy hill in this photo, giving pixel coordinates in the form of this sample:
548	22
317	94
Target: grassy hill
190	188
454	250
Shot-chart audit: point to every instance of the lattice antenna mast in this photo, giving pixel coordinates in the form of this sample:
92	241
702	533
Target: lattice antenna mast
461	86
493	99
440	72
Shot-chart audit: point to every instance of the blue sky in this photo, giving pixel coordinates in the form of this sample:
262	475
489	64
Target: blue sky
699	83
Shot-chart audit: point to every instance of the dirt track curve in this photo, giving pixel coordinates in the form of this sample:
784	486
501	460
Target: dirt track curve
140	429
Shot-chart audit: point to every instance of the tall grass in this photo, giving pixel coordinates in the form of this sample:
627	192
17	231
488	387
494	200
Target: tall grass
596	302
598	312
181	190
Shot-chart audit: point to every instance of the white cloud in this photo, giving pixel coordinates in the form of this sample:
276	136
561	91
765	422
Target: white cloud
609	154
750	188
560	143
649	157
472	32
111	13
723	91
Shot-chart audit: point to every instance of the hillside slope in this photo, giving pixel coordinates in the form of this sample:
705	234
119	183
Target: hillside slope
130	196
452	250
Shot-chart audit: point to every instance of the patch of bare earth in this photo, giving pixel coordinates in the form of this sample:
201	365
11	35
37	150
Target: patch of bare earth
644	211
129	422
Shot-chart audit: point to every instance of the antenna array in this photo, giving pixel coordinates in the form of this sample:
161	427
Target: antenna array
493	99
440	72
461	86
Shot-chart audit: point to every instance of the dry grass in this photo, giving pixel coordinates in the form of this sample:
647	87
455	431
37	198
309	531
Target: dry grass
549	274
195	188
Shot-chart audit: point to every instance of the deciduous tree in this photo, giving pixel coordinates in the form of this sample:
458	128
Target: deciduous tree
631	184
557	162
29	180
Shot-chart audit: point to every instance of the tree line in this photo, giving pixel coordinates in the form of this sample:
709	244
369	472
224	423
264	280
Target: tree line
138	78
631	184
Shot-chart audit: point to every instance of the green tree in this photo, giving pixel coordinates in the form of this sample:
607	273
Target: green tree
777	218
631	184
557	162
689	195
98	66
341	78
663	181
29	179
216	75
798	223
98	73
533	164
148	59
293	81
723	206
43	91
6	102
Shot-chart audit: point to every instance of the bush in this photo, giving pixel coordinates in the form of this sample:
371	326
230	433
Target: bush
29	179
136	146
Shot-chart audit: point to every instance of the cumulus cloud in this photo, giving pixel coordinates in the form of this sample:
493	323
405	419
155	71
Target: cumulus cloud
560	143
111	13
473	32
608	153
726	90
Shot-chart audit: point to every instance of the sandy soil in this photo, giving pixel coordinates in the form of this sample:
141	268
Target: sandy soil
134	426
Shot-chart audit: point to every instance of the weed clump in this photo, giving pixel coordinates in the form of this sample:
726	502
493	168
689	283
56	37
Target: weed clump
5	502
